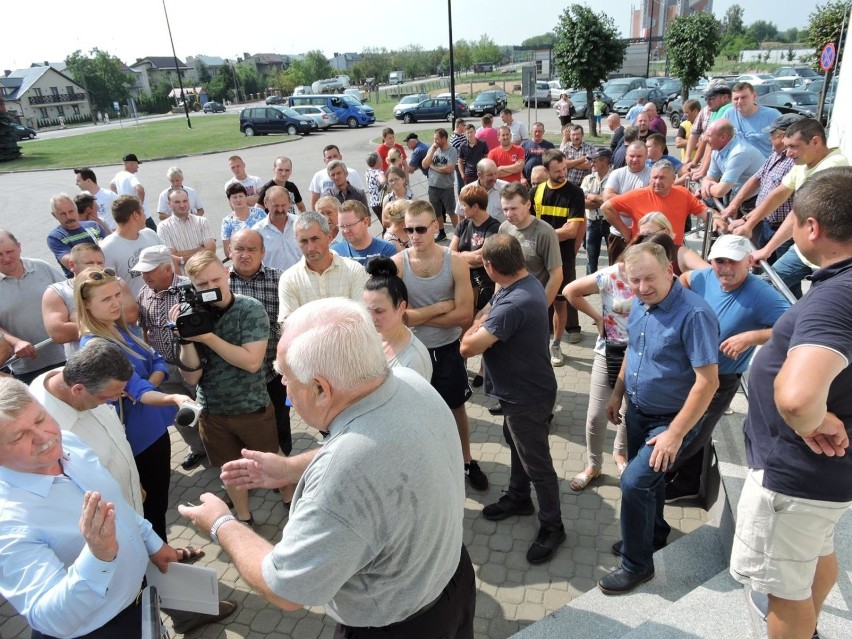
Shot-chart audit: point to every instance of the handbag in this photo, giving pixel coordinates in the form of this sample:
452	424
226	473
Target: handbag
614	353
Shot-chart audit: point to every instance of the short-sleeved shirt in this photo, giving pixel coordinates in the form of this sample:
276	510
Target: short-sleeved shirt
534	151
776	166
472	237
154	310
417	154
185	234
516	364
575	176
299	284
616	302
666	342
676	206
121	255
822	319
252	183
594	184
471	155
658	125
684	131
442	158
362	256
281	248
751	128
352	193
495	207
231	223
540	246
503	157
490	136
715	115
263	286
292	189
753	306
800	172
383	151
556	206
105	198
225	389
519	131
670	158
163	205
735	163
60	240
320	183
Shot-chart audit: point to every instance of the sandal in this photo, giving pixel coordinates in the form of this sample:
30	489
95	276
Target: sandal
620	464
190	554
581	480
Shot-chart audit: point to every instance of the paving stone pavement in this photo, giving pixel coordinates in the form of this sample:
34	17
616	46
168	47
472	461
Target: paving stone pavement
511	593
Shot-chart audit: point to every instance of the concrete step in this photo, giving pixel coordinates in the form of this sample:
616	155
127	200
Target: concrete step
681	567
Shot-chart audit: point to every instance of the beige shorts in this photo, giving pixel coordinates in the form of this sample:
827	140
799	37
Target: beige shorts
780	538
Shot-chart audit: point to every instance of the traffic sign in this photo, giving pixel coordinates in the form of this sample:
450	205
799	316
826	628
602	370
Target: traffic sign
827	57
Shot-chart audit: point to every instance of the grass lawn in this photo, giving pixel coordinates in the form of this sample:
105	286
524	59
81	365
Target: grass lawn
161	139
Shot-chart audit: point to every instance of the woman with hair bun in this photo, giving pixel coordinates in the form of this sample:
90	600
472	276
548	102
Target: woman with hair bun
386	298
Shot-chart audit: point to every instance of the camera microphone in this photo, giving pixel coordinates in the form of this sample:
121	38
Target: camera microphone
187	415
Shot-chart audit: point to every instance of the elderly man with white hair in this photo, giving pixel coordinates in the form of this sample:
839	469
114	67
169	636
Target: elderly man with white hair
355	540
175	178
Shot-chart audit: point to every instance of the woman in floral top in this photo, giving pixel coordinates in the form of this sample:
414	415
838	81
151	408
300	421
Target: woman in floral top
374	178
243	216
616	301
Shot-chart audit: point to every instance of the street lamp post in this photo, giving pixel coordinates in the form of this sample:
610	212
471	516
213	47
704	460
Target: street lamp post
177	68
452	61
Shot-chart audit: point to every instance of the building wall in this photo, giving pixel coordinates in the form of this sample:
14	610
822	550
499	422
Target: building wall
73	104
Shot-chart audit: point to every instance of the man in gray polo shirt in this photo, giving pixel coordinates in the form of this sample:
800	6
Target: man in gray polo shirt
441	161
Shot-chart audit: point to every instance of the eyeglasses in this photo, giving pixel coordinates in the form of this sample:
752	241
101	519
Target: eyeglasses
418	230
345	227
98	276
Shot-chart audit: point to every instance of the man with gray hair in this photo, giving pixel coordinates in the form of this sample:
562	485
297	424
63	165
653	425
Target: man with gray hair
175	177
341	188
321	272
70	231
363	553
276	228
732	161
486	177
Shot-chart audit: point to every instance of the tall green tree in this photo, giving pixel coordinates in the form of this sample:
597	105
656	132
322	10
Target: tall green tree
732	23
692	43
763	31
543	40
374	63
462	55
485	50
588	48
101	74
824	27
202	71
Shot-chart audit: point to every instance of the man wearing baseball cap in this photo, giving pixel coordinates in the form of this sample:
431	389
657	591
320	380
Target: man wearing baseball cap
718	97
597	228
747	308
125	182
418	152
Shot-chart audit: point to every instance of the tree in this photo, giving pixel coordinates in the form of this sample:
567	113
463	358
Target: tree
485	50
202	71
824	27
731	47
101	75
692	43
374	63
587	49
763	31
462	55
732	23
543	40
250	80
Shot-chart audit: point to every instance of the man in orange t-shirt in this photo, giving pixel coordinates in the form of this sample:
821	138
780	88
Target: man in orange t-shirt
508	157
388	142
675	202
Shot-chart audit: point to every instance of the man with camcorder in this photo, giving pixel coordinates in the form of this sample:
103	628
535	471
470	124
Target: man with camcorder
223	342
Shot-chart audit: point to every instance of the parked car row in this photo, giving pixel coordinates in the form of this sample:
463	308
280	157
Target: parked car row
433	109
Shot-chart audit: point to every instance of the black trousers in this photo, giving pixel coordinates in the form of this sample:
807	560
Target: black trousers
278	396
125	625
155	472
449	617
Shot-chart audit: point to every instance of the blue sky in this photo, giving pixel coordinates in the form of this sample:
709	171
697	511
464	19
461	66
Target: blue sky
136	29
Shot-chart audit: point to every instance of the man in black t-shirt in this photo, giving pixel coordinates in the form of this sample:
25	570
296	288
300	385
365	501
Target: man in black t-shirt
799	421
282	168
469	237
470	153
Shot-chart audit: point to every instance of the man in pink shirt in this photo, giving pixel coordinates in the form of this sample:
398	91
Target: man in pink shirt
488	133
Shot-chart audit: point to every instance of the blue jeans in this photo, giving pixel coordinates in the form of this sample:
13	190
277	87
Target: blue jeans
596	231
766	233
643	491
792	270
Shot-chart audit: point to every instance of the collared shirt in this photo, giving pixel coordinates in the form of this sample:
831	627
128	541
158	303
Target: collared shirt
185	234
702	121
231	223
195	202
594	184
575	176
102	431
263	286
351	193
666	342
299	284
735	163
154	317
281	248
49	575
777	165
495	207
60	240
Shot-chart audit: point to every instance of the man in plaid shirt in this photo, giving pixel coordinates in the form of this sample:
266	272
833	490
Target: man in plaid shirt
577	153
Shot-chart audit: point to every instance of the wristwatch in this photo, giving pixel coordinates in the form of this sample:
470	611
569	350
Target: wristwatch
218	524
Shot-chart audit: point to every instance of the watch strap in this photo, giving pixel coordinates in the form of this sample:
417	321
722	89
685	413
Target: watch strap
214	529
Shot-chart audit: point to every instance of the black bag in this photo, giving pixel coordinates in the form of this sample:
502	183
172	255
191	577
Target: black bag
614	353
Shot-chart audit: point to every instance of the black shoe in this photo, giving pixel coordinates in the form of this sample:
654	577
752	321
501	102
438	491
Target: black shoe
475	476
545	545
192	460
226	609
616	548
477	381
506	507
621	581
441	236
679	491
496	409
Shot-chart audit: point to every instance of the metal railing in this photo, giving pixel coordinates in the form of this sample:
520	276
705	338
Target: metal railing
60	97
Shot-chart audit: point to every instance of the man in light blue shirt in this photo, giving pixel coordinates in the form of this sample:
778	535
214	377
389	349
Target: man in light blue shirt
732	161
750	119
357	243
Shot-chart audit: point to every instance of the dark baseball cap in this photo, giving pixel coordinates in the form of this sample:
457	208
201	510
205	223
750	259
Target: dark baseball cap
411	136
717	88
783	122
130	157
601	153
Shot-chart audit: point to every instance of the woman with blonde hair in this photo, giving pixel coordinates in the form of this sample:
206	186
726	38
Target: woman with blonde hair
393	219
145	412
687	259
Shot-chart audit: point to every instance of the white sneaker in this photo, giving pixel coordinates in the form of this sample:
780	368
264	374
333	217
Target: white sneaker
556	357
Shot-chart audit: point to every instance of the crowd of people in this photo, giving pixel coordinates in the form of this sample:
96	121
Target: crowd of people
368	337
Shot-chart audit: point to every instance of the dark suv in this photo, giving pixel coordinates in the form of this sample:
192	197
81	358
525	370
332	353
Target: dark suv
274	119
492	101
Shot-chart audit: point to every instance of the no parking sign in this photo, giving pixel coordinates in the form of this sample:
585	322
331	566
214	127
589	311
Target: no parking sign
827	57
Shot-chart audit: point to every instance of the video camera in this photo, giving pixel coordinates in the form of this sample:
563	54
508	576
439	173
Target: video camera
195	317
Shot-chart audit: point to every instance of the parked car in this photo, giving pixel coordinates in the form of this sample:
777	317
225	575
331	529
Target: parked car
556	90
656	96
323	116
213	107
274	119
275	99
491	101
358	94
792	83
446	95
807	74
766	87
540	96
801	102
23	132
409	102
433	109
675	107
756	78
349	110
617	87
578	99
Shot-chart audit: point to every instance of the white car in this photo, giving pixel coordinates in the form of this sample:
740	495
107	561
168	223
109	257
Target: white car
756	78
446	96
409	102
323	116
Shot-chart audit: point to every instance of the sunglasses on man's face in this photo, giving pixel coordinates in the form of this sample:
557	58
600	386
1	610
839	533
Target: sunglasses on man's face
419	230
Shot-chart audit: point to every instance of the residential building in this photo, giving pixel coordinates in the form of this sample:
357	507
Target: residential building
40	95
152	70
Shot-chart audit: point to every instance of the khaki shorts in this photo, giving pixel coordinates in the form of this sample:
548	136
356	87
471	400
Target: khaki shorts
224	436
780	538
